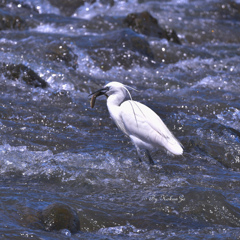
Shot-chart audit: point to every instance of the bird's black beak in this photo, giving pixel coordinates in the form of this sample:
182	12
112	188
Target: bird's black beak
96	94
99	92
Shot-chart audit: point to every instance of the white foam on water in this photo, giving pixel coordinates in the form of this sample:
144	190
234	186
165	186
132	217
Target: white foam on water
230	117
68	30
66	166
214	82
119	8
43	6
127	229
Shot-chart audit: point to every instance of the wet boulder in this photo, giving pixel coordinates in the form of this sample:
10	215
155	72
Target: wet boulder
216	146
145	23
105	59
18	6
9	21
58	216
226	10
121	48
210	207
68	7
60	52
17	17
21	72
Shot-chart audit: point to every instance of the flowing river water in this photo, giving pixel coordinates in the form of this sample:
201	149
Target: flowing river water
183	57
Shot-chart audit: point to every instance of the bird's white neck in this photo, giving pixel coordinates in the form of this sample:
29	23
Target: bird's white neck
116	99
114	102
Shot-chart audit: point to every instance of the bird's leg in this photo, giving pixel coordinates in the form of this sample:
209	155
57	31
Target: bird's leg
149	157
139	154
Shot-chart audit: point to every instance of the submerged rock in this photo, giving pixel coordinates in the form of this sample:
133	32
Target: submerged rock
20	71
146	24
16	17
68	7
210	206
9	21
58	216
16	5
60	52
227	154
121	48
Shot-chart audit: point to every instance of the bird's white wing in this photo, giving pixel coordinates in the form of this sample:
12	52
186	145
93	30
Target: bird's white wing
143	123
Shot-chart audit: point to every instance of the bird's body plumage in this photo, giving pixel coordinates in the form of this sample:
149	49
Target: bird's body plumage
142	125
146	129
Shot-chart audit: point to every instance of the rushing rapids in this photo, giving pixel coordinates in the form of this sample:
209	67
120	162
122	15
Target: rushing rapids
60	159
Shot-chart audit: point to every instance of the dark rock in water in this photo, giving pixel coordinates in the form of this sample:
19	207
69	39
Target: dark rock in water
121	48
68	7
107	2
105	59
16	19
8	21
146	24
59	216
60	52
227	155
18	6
30	217
20	71
211	207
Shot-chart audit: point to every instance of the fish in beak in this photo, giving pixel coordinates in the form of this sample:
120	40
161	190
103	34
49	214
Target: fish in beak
97	94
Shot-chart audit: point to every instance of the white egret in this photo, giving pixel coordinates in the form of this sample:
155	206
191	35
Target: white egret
142	125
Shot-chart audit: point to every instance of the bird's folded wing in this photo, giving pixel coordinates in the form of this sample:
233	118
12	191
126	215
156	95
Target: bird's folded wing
140	121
